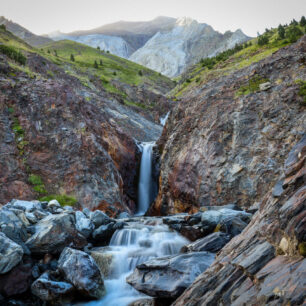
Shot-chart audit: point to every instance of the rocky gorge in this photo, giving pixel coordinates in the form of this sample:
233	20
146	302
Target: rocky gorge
190	199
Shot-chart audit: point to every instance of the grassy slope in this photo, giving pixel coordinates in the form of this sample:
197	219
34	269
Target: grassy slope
198	74
113	67
85	56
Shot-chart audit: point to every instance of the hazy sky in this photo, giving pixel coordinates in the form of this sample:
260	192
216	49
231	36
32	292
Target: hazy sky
44	16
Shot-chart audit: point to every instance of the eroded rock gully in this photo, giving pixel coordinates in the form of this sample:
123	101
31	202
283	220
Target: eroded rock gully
218	147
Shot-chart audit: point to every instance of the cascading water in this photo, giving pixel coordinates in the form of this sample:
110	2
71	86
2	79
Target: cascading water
141	240
163	120
145	179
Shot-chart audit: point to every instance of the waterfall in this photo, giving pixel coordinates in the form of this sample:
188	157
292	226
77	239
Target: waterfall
142	239
145	178
163	120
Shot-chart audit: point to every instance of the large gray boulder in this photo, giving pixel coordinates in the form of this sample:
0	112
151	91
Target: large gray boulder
54	233
48	288
13	227
10	254
211	243
27	206
80	269
168	277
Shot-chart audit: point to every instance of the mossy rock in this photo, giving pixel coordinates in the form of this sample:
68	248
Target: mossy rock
302	248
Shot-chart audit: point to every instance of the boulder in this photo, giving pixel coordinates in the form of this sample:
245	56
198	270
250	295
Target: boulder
232	226
168	277
12	226
103	260
84	225
18	280
105	232
54	233
48	288
211	243
80	269
99	218
10	254
27	206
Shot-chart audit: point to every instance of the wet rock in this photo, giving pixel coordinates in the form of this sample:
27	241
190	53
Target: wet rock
103	260
99	218
211	243
48	288
81	270
168	277
84	225
54	233
105	232
10	254
87	212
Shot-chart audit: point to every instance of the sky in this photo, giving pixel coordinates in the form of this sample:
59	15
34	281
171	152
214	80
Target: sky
252	16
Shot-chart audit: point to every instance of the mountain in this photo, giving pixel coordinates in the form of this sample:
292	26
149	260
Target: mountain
21	32
121	38
165	44
170	52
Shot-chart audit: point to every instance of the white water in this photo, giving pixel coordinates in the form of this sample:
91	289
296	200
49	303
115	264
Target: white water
145	179
138	242
163	120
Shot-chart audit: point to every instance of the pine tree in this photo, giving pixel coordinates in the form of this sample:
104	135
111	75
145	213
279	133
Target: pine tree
263	40
303	21
98	48
294	33
294	22
281	31
101	63
96	65
114	73
140	72
72	57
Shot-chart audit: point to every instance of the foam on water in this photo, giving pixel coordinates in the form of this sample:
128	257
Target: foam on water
131	246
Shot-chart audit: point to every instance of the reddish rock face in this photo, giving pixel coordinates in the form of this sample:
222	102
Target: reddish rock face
79	141
265	264
219	148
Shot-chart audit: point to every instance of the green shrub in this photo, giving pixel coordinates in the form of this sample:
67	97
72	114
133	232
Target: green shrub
13	54
294	33
63	199
72	58
281	31
3	27
252	86
140	72
302	90
37	183
96	65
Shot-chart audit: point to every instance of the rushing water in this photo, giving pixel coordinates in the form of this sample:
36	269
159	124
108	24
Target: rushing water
141	240
145	178
163	120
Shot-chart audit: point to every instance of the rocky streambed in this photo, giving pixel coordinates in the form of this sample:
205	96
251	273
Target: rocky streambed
56	255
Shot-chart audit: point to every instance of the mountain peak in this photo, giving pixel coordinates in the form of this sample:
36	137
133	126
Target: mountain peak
185	21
